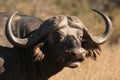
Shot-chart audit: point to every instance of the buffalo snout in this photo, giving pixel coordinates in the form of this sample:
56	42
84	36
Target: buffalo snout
79	53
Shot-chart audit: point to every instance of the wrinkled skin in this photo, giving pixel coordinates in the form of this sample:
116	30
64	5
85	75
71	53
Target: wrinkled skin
66	43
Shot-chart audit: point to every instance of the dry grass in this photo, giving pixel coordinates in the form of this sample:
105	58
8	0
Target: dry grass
107	65
105	68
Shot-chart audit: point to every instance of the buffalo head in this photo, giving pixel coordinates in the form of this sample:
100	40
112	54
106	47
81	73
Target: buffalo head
65	38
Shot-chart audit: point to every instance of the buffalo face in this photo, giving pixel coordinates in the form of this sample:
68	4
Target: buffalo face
71	42
65	38
66	42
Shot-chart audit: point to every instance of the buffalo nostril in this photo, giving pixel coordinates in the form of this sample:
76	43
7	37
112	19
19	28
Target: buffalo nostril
81	59
80	53
73	54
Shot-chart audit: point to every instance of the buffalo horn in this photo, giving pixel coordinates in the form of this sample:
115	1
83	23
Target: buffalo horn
108	29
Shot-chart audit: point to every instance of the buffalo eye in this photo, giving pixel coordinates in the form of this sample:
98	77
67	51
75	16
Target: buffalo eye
81	38
80	35
58	36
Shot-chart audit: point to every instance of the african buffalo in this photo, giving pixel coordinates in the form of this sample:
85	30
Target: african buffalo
37	50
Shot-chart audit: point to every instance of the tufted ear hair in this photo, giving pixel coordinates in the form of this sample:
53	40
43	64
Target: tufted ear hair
2	69
37	52
91	47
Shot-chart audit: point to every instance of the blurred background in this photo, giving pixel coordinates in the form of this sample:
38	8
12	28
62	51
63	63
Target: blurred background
107	66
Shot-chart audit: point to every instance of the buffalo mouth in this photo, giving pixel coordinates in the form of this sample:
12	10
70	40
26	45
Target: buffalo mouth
74	63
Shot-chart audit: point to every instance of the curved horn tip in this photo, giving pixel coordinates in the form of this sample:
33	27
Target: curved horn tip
10	18
14	13
108	31
93	9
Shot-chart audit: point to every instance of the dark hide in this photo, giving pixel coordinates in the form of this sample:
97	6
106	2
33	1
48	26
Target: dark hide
19	62
63	47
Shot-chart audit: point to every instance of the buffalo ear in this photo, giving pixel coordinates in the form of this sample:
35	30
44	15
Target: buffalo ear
2	69
92	48
86	35
37	52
